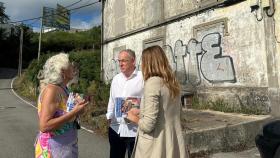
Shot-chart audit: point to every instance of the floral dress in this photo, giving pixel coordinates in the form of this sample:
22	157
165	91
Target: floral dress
60	143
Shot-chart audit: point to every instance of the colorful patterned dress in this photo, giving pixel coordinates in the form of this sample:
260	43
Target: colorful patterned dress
60	143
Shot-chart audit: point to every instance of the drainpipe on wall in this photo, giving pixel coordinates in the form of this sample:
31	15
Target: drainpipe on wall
271	54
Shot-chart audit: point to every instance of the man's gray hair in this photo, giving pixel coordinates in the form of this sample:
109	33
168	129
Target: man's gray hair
130	52
52	70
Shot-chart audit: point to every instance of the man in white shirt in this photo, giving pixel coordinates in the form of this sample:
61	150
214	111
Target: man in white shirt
127	84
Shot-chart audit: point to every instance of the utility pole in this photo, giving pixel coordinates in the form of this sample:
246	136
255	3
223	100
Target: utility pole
20	52
40	37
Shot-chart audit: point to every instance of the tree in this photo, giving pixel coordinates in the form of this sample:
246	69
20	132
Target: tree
3	17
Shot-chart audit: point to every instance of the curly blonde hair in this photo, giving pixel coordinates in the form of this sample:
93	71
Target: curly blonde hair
52	70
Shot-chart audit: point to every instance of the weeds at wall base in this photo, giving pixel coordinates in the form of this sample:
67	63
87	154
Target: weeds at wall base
221	105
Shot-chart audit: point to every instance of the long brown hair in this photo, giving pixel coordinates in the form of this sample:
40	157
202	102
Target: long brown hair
155	63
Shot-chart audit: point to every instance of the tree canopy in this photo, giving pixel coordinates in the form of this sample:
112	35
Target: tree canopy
3	17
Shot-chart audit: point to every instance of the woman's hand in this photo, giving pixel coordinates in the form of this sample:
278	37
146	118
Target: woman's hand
132	115
135	111
80	106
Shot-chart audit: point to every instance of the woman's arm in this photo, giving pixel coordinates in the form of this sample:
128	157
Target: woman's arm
50	103
151	106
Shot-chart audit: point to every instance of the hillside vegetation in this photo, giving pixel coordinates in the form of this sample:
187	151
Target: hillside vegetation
80	48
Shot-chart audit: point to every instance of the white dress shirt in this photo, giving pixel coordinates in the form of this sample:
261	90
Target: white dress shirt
122	86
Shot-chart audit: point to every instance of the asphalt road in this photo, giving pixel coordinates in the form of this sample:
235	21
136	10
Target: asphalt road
19	126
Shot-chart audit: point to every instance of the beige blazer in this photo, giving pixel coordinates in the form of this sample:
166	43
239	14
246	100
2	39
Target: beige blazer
159	132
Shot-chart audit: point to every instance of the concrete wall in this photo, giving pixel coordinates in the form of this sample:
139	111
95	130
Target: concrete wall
173	8
227	53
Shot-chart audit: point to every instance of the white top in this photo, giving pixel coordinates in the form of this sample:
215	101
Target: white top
122	86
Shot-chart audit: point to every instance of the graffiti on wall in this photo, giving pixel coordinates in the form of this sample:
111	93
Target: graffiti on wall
200	59
197	59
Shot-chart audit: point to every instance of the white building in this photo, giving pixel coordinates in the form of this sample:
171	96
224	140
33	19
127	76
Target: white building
220	49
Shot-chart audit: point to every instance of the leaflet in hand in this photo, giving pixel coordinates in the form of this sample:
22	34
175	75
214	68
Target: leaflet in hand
73	98
124	104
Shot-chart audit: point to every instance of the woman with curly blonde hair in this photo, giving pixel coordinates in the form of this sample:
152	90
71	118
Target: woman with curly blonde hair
159	126
57	137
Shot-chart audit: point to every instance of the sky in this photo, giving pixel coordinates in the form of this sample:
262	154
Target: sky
83	18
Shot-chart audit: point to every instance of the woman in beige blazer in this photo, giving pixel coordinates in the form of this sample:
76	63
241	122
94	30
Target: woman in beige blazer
159	132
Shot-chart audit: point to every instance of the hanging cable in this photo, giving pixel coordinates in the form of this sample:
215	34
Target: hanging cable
83	6
86	3
73	4
33	22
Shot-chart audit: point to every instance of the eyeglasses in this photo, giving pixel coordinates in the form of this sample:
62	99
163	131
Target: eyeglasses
123	61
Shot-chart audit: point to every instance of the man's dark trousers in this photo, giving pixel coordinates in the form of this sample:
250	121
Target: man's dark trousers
119	145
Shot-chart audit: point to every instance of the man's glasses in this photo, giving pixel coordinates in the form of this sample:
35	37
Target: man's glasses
123	61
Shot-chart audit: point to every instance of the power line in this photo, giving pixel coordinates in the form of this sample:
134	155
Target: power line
35	21
87	2
73	4
83	6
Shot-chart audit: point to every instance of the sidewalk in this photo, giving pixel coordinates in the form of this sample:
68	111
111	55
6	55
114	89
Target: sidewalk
213	132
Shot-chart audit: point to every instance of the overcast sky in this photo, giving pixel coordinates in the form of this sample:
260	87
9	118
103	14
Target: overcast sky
83	18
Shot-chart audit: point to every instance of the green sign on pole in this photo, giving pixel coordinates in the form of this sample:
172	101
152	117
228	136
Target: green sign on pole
49	17
56	18
62	17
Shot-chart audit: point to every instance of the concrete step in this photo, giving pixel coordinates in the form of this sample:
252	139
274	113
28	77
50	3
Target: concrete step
251	153
213	132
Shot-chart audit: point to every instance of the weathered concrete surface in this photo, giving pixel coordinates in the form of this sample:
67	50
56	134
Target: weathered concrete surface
228	52
126	15
244	51
251	153
275	91
255	99
211	131
173	8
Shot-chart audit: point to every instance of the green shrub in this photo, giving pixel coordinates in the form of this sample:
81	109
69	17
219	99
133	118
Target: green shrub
64	41
34	67
89	84
25	87
89	68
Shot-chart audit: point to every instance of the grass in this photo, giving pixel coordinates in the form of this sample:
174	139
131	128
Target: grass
221	105
25	88
94	117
